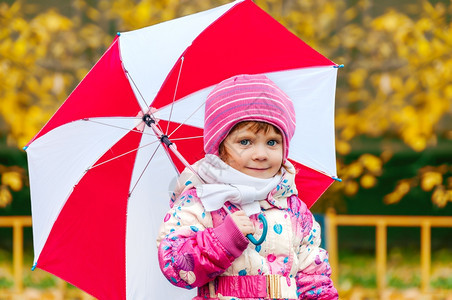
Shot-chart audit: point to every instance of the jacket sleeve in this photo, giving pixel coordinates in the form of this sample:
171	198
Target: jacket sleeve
313	278
191	252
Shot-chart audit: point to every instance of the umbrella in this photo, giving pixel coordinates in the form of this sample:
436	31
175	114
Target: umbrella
102	167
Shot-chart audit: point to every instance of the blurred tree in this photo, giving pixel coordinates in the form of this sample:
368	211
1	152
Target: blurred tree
397	82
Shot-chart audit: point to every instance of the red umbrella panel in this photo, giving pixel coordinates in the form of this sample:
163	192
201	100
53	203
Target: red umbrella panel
101	179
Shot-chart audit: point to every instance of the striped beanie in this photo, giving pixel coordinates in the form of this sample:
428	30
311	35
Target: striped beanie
246	98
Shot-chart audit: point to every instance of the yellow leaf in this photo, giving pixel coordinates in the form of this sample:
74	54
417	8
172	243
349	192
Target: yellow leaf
448	91
397	83
13	180
54	21
389	22
350	13
20	48
402	188
416	142
143	12
5	196
354	170
348	133
424	48
47	83
343	147
92	13
19	24
368	181
430	180
371	163
351	188
440	196
357	78
392	198
424	24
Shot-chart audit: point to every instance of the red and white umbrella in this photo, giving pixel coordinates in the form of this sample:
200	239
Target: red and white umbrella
100	177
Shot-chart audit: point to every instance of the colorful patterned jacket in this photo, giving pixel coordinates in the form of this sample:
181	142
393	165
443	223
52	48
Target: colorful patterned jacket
206	249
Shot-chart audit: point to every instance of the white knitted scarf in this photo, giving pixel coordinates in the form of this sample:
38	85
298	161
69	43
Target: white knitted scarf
224	183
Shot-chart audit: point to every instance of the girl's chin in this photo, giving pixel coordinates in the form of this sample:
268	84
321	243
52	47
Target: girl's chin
259	173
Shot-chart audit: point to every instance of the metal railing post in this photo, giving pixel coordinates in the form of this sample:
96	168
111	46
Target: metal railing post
425	255
331	243
18	254
381	244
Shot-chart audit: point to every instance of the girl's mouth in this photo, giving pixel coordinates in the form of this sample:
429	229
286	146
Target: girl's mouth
258	169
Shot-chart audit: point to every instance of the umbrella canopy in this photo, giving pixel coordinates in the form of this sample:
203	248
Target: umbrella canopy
101	178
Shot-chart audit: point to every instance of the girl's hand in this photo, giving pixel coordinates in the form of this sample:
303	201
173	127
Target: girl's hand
243	222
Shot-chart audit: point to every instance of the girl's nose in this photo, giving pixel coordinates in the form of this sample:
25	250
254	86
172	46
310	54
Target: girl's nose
260	153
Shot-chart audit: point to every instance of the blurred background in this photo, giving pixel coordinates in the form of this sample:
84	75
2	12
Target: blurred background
393	117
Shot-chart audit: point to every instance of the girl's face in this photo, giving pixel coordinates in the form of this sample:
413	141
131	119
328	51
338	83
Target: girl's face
258	154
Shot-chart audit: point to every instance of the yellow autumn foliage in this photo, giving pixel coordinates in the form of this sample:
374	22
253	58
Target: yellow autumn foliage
402	188
351	187
372	163
368	181
13	180
441	196
5	196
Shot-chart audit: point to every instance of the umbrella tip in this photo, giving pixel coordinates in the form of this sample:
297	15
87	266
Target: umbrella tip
118	33
34	266
336	178
25	148
339	66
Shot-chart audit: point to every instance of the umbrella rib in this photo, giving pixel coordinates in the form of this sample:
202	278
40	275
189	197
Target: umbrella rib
121	155
142	97
147	165
169	135
187	138
119	127
139	92
174	96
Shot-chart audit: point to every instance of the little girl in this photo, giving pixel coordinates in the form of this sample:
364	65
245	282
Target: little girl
249	122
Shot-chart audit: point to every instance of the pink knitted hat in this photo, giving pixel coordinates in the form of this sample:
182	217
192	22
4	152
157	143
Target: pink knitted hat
246	98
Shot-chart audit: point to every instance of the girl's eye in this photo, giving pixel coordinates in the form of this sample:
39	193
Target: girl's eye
272	143
244	142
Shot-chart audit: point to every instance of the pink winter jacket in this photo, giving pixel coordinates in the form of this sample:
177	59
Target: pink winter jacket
206	250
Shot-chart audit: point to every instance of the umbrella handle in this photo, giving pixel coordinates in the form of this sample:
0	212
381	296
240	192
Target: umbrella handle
264	232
